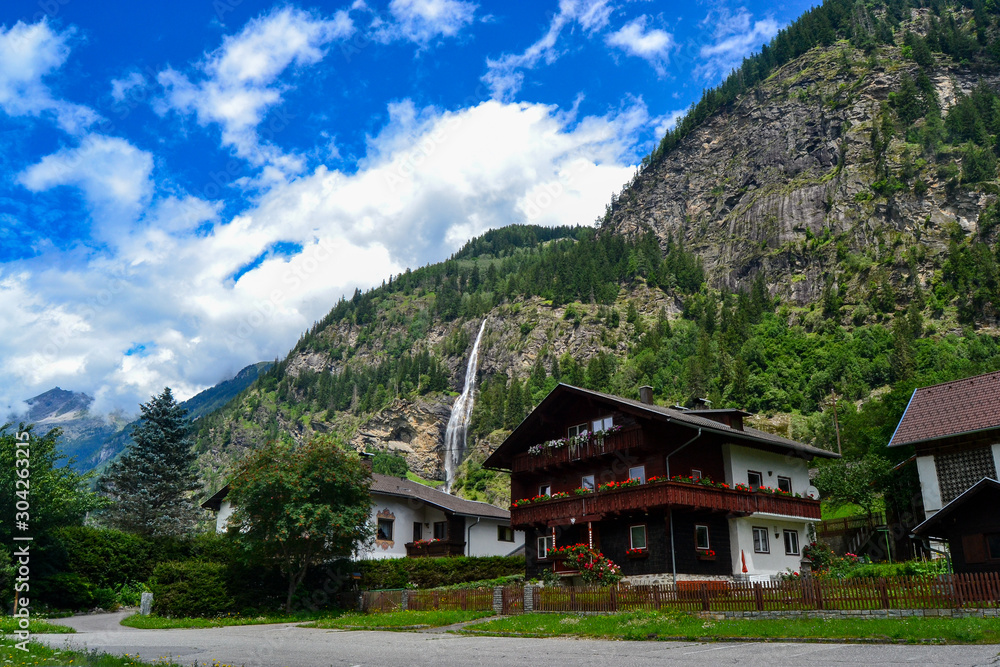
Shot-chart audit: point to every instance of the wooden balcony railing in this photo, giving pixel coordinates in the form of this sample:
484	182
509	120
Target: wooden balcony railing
627	438
595	506
435	549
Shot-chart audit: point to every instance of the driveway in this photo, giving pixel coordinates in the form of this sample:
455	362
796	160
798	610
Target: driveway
289	646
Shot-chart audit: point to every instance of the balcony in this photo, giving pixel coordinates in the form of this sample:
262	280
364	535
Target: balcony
628	438
597	506
435	549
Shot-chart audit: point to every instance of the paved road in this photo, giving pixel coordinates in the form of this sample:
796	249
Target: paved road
288	646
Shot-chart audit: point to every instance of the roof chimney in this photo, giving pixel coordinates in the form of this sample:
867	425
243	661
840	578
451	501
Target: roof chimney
366	459
646	394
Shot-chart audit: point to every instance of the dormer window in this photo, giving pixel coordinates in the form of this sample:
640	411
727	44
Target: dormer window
602	424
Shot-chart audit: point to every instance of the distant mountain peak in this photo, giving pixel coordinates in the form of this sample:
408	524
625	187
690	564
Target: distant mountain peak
56	402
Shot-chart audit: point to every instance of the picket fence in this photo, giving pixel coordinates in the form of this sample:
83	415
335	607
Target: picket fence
953	591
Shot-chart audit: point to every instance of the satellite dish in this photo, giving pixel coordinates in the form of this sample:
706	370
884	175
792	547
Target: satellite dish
812	492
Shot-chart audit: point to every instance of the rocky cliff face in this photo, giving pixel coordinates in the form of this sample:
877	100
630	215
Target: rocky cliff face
757	185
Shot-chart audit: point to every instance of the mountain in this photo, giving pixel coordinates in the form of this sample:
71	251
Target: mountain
92	440
83	432
197	406
821	227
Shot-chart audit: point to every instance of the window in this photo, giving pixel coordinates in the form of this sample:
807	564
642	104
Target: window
505	534
418	531
993	544
637	535
573	431
695	473
544	544
385	529
639	473
440	530
785	484
755	479
587	482
792	542
544	489
701	537
760	544
603	424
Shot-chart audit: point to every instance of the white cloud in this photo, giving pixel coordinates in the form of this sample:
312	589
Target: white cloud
113	174
505	75
735	37
652	45
121	87
667	121
28	54
421	191
239	80
421	21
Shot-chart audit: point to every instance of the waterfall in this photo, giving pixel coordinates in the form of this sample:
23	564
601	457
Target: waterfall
458	423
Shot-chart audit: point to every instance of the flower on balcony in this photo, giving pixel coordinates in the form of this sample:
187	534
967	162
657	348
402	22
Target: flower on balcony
425	542
582	491
580	439
521	503
611	486
655	479
743	487
556	496
707	553
636	552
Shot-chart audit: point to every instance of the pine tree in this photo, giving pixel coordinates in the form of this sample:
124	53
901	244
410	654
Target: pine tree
150	483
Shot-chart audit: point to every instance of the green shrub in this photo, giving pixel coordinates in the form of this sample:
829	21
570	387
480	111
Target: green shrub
433	572
67	590
105	558
190	588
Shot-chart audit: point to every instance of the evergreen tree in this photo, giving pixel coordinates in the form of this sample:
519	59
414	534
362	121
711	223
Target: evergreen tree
150	483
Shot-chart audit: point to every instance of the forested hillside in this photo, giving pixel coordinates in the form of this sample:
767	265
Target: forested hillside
822	224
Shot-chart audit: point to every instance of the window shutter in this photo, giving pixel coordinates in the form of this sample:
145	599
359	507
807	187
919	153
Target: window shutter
974	548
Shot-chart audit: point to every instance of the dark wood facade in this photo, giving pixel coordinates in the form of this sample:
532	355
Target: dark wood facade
664	443
970	525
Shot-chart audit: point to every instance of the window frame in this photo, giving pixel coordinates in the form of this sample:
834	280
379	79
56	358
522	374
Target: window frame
604	422
543	544
575	430
548	489
785	535
766	542
782	478
593	482
642	468
645	536
503	531
708	537
695	473
760	476
418	531
436	525
378	529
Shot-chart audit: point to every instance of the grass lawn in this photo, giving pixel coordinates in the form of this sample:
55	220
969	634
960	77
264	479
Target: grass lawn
154	622
38	654
399	620
8	624
652	625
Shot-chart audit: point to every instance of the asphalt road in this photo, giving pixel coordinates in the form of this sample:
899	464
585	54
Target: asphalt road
289	646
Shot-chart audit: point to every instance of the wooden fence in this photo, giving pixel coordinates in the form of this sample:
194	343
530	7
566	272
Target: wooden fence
806	594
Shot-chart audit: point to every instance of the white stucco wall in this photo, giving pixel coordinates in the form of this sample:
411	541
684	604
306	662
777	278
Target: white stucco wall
482	540
929	487
774	562
225	511
405	512
738	460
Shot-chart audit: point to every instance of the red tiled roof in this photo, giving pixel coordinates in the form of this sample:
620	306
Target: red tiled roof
951	408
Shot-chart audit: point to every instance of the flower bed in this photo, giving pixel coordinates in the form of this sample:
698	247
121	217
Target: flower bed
594	567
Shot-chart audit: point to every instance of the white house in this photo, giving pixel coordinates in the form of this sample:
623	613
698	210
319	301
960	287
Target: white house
412	519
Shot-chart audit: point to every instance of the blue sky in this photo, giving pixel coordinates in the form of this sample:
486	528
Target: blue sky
185	187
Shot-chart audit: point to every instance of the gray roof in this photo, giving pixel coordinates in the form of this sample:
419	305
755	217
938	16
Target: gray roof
403	488
749	436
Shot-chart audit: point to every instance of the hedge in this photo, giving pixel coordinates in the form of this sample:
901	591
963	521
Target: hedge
433	572
190	588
